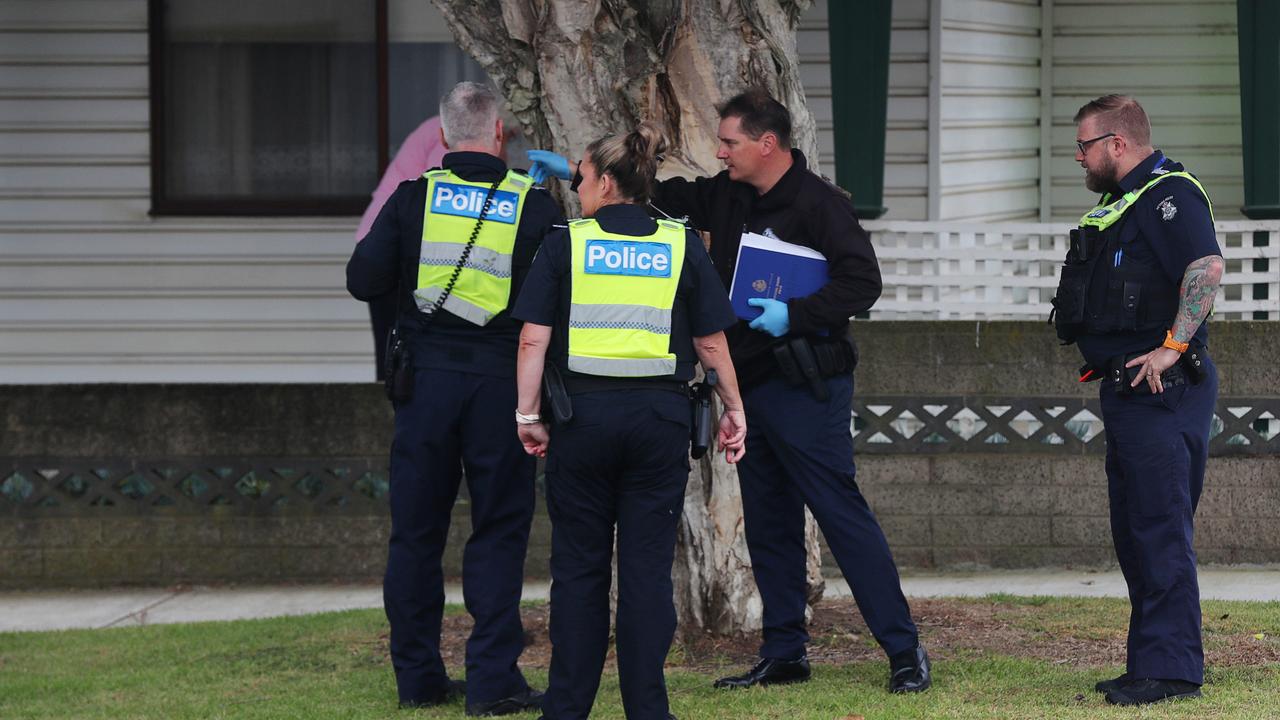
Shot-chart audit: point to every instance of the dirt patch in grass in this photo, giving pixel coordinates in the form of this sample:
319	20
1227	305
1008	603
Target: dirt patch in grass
948	627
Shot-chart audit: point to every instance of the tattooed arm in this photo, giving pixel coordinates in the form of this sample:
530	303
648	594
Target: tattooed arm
1195	297
1195	300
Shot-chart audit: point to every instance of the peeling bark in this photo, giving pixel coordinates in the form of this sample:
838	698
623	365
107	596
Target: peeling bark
577	70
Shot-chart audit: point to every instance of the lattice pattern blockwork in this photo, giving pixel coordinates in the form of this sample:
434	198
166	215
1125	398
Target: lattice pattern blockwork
902	425
233	486
881	425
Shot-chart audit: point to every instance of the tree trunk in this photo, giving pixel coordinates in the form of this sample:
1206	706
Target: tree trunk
577	70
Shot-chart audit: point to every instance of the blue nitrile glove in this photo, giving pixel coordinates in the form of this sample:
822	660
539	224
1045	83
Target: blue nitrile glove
775	319
544	164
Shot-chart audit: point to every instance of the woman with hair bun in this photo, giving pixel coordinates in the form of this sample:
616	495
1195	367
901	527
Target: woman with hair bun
623	306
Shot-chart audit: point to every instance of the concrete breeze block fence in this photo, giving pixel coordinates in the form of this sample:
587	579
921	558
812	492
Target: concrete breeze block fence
975	446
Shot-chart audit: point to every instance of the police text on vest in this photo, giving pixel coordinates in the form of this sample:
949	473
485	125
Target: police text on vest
466	201
625	257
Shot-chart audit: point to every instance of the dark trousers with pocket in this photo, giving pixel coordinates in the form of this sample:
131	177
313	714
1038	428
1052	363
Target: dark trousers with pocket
458	421
620	465
800	452
1157	446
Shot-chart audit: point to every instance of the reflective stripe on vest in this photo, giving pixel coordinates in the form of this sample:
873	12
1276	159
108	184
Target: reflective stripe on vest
622	288
483	288
1105	214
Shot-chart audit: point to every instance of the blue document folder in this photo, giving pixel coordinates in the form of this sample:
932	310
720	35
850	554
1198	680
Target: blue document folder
770	268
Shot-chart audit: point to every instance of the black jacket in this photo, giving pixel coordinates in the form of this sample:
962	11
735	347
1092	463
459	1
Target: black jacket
387	258
802	208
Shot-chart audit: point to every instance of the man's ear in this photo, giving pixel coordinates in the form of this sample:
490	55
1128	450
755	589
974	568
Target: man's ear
443	142
768	143
1121	146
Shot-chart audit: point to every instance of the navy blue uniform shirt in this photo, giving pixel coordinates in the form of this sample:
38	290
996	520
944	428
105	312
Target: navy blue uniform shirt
387	258
1151	236
701	307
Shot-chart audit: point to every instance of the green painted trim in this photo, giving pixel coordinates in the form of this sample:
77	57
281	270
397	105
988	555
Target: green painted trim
859	38
1259	33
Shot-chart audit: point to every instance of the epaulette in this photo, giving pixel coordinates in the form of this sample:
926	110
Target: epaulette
519	179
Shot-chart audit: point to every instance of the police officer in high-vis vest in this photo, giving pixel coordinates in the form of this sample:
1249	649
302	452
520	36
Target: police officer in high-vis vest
1138	283
623	306
458	242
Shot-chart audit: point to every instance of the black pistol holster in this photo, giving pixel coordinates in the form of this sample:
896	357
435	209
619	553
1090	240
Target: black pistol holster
397	376
803	361
554	394
700	402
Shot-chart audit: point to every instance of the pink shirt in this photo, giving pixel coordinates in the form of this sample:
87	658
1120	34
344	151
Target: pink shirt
421	150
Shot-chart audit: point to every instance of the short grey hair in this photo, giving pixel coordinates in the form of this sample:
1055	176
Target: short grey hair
468	113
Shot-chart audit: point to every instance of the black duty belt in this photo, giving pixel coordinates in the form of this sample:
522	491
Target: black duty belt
801	360
579	384
1190	369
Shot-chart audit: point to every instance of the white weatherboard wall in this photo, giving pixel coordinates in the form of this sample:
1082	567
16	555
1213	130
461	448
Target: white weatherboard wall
906	158
92	289
989	122
1180	58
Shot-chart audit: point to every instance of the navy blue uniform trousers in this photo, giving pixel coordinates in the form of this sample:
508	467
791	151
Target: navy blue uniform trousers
1157	446
458	421
800	452
621	462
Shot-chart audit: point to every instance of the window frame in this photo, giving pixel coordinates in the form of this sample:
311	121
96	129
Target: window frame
215	206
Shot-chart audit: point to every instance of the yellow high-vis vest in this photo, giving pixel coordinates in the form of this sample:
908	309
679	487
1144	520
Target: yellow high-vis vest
622	289
483	288
1107	212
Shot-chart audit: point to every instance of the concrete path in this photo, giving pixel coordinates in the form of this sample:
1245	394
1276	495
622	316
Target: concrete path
24	611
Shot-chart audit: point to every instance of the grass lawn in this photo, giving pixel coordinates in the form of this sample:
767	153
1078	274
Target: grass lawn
996	657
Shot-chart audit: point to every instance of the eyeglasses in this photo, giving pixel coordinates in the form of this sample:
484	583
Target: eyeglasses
1084	144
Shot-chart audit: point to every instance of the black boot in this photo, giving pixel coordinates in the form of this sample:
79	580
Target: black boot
1145	692
909	671
455	690
1106	686
524	701
769	671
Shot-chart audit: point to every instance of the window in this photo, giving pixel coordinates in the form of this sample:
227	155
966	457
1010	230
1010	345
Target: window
289	107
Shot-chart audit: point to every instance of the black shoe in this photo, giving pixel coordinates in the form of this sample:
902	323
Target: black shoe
909	671
453	691
523	701
769	671
1145	692
1106	686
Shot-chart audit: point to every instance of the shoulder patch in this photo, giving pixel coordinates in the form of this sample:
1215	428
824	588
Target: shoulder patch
1167	209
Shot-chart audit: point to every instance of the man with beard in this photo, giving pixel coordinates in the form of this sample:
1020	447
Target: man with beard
1137	285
